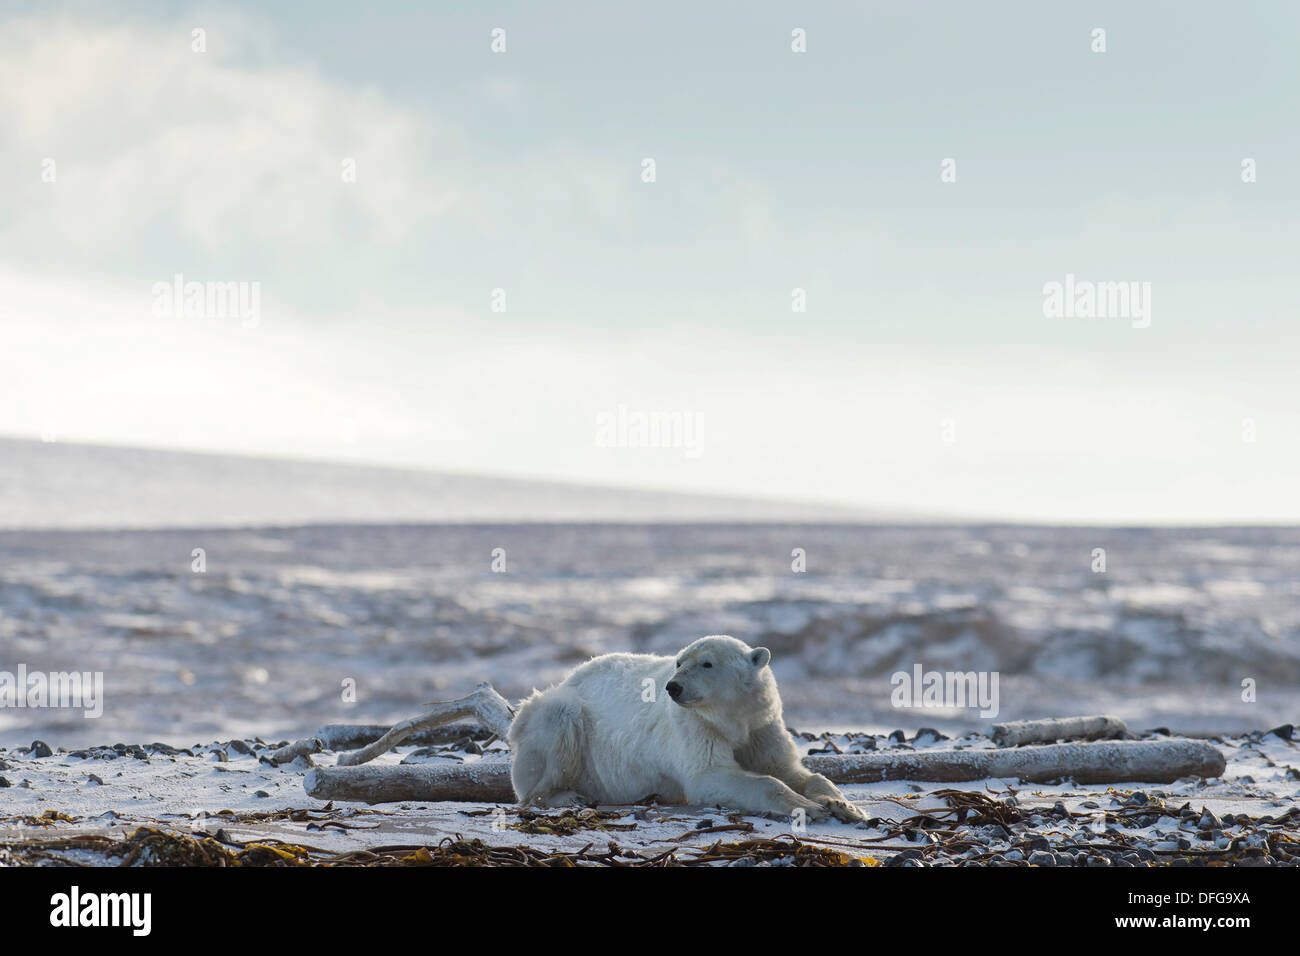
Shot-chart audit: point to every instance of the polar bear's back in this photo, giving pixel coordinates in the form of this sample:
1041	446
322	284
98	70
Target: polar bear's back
613	684
619	666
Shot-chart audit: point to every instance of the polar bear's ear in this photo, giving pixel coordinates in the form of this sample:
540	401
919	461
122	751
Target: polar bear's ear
760	656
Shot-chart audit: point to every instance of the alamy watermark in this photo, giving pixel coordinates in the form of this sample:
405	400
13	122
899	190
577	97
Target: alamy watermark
37	689
1086	299
947	690
208	300
633	428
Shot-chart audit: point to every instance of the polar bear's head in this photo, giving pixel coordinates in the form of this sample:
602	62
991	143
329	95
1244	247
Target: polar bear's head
721	672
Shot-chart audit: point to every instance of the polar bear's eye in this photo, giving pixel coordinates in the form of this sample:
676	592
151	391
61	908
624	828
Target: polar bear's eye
706	664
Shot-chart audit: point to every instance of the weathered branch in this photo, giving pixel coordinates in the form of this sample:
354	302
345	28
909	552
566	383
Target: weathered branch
485	704
341	737
1018	732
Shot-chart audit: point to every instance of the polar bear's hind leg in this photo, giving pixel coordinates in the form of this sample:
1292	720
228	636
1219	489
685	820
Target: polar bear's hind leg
548	740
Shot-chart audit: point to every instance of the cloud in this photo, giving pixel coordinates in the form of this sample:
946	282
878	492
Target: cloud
144	132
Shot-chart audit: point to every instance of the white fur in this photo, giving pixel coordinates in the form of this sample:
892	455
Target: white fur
611	733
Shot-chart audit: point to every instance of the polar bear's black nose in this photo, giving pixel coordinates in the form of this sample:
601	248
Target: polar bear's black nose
674	689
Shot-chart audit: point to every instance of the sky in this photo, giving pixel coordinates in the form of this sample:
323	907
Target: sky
834	284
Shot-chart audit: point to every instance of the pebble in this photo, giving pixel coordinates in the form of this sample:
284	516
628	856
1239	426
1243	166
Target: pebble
1042	858
928	735
40	748
898	859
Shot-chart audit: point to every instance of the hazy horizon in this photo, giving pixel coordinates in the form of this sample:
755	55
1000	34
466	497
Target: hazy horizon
69	486
307	491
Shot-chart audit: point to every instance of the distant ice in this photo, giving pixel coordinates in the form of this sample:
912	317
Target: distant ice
263	642
64	485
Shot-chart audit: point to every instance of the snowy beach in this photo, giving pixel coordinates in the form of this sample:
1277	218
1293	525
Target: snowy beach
88	806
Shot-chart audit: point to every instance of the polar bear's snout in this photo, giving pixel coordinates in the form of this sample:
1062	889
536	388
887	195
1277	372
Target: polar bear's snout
690	683
682	694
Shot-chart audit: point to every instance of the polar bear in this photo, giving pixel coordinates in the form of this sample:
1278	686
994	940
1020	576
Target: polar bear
703	728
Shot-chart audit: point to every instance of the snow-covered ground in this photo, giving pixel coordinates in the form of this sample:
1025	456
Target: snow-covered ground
223	789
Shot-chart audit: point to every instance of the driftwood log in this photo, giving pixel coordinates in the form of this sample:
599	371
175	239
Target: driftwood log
1121	761
1016	733
1115	761
486	781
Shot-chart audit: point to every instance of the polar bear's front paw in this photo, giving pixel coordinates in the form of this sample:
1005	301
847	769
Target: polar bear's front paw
815	813
843	810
